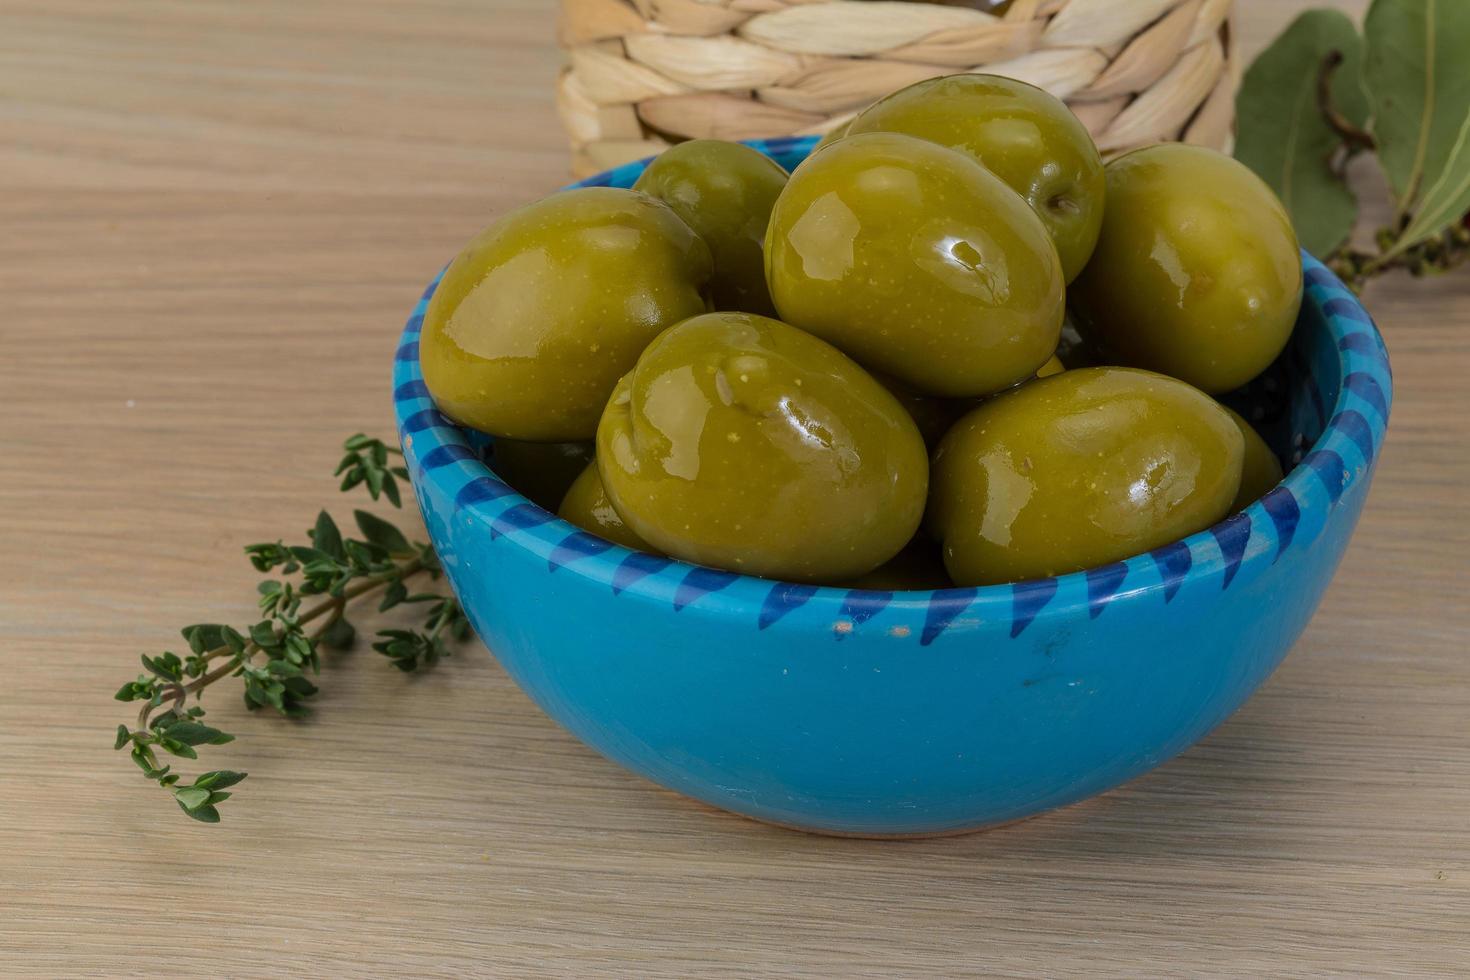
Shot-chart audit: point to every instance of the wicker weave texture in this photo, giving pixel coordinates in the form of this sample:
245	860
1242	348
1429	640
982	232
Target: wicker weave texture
642	74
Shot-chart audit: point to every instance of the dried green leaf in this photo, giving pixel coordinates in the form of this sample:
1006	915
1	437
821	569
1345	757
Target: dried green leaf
1284	136
1418	77
1447	199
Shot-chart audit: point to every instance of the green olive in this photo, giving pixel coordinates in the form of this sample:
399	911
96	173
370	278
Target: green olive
724	191
743	443
1052	366
540	471
1025	136
540	315
917	566
914	259
832	135
1080	469
1261	470
586	505
1197	273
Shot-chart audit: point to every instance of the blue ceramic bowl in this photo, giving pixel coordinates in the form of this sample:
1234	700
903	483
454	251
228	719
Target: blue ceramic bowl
876	713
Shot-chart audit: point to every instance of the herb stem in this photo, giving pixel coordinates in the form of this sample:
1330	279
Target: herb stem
337	605
411	567
303	612
173	692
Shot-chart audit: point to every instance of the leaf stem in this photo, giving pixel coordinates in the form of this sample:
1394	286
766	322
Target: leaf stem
1354	136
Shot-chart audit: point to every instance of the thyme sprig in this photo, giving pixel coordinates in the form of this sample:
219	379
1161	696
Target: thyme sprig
303	609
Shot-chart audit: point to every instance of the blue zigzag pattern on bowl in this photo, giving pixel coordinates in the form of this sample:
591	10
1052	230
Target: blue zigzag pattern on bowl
1281	506
782	599
578	544
859	606
635	567
1103	585
1343	446
944	607
1173	560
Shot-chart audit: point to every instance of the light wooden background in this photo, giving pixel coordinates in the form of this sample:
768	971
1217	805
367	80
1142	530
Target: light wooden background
213	218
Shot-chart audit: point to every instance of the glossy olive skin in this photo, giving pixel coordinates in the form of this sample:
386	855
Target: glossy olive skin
1052	366
915	260
1261	470
1022	134
742	443
586	505
832	135
917	566
725	192
539	316
1080	469
540	471
1197	273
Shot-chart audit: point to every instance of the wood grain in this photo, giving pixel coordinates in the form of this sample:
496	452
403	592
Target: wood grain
215	217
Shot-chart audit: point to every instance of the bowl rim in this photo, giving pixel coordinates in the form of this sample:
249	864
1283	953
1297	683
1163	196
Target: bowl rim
438	451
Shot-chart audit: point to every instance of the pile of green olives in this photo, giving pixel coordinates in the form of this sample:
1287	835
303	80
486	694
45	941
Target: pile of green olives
953	347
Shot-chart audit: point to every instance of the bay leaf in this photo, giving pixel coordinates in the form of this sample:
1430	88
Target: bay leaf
1447	200
1417	70
1282	134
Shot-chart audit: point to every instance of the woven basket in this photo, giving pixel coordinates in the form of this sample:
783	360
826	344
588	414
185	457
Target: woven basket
647	73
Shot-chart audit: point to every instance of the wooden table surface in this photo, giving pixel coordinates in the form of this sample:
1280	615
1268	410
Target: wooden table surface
215	216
